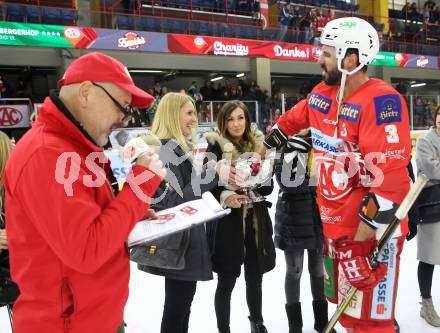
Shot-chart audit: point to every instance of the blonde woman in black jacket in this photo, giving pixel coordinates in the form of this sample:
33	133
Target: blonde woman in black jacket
245	235
173	126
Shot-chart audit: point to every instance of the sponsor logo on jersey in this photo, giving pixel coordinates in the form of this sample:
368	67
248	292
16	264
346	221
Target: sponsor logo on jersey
395	154
327	144
383	293
319	103
388	109
350	112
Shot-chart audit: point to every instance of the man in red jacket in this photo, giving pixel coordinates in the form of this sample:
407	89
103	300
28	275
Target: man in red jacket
66	228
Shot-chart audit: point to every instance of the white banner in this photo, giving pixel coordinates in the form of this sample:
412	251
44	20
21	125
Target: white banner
14	116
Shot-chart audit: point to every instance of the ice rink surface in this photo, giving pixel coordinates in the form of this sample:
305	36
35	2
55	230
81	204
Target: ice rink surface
143	312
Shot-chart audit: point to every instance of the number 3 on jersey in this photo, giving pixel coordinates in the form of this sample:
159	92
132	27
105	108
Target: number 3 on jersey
393	136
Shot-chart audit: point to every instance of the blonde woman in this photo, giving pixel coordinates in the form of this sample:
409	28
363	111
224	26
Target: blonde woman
174	123
8	290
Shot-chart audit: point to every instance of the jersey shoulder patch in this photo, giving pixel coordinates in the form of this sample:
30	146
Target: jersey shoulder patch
350	112
388	109
319	102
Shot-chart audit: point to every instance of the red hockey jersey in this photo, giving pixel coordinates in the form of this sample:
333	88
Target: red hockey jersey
367	149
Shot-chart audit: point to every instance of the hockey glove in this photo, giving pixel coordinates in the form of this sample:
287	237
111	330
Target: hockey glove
354	259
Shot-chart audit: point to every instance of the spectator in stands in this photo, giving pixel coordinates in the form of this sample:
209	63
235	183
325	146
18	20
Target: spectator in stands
21	89
207	91
401	88
306	26
297	17
322	21
427	12
413	13
256	9
406	9
419	112
243	7
331	15
157	88
275	87
276	116
228	87
314	23
284	19
5	88
193	89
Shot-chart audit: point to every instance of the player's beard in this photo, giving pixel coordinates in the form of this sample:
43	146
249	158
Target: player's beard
332	77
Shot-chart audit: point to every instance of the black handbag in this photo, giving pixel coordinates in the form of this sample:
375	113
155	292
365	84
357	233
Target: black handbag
428	204
167	253
8	289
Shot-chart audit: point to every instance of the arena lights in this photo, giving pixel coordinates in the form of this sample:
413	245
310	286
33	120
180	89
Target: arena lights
418	85
240	75
144	71
217	78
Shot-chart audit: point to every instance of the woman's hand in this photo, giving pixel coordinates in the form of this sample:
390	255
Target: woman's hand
227	173
235	200
3	240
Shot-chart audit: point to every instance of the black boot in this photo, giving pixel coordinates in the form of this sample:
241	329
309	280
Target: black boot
295	317
396	326
320	310
257	327
224	330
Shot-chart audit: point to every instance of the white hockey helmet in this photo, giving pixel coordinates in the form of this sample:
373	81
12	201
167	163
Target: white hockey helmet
351	33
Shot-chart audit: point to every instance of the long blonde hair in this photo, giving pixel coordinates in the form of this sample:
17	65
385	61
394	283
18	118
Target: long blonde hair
5	151
166	123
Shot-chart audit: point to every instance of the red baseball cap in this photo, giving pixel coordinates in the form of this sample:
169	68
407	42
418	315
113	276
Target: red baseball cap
99	67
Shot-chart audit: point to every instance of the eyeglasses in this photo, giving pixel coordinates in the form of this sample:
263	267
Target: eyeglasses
127	110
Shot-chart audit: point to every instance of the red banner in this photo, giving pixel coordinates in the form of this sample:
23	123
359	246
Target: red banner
238	47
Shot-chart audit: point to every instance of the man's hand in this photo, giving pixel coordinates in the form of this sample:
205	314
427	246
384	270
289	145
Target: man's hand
150	160
150	215
235	200
354	258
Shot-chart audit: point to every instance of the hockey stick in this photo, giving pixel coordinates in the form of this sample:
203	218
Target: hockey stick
401	212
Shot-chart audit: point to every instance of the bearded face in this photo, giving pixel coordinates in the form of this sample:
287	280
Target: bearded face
328	62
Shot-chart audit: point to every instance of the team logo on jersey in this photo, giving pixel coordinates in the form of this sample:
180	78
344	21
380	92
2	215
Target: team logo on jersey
350	112
319	103
333	179
388	109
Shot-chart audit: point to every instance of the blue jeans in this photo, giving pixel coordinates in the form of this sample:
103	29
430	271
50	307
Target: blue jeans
283	31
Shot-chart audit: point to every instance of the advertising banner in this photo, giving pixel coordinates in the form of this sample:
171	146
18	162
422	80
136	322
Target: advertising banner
421	61
390	59
22	34
14	116
238	47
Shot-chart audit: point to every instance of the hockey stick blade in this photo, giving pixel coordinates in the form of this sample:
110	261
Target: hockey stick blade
401	212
